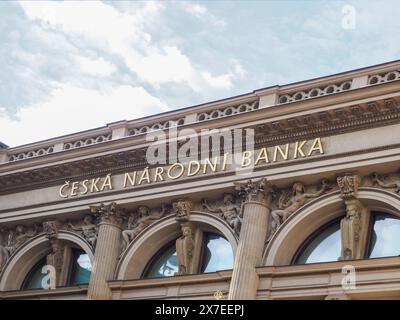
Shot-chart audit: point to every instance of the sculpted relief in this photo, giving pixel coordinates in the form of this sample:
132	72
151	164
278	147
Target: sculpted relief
289	203
228	209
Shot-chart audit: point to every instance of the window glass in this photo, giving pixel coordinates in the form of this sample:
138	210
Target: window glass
35	276
165	265
81	268
324	247
217	253
385	236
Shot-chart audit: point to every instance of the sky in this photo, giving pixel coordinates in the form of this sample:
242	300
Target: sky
68	66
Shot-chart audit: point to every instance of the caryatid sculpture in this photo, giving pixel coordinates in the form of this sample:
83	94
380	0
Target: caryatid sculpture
354	226
184	249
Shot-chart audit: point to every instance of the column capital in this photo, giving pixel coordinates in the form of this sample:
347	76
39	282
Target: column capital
255	191
109	214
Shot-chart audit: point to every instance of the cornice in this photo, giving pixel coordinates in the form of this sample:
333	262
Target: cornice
326	123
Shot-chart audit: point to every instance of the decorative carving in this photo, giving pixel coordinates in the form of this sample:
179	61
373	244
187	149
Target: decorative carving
140	220
20	236
258	191
385	184
4	248
348	185
354	230
296	200
51	228
229	210
184	249
182	208
110	213
88	229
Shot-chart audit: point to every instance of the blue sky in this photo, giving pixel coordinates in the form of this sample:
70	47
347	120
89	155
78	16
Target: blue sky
71	66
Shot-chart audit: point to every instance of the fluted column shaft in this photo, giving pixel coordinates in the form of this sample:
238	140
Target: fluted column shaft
244	283
106	256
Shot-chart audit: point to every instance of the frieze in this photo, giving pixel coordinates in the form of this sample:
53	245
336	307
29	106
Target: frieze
378	113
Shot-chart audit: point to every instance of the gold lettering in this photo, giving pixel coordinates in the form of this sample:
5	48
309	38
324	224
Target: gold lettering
316	146
107	183
132	180
171	168
74	188
212	165
246	158
284	155
84	185
158	175
298	150
145	176
263	155
94	186
225	162
193	173
61	191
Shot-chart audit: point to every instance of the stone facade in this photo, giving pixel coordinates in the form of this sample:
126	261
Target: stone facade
325	150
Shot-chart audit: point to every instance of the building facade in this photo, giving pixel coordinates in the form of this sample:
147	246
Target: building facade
306	206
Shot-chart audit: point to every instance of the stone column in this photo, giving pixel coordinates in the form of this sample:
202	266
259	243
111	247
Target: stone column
255	210
354	226
108	246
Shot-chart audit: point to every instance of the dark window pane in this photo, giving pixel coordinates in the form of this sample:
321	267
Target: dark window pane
217	253
166	265
81	268
35	276
385	237
324	247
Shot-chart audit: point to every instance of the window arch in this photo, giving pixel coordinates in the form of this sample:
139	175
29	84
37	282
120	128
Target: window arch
78	270
325	244
214	254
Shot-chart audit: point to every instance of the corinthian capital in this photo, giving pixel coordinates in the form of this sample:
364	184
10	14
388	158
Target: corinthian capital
110	213
259	191
348	185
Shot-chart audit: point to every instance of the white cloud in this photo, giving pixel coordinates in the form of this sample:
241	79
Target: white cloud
71	109
195	8
98	66
222	81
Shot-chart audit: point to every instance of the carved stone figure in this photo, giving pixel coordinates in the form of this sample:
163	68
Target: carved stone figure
4	249
387	185
140	221
56	257
229	211
184	249
298	199
20	236
88	228
354	230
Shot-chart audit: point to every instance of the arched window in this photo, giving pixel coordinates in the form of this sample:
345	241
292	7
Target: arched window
79	270
215	254
385	236
325	244
165	263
